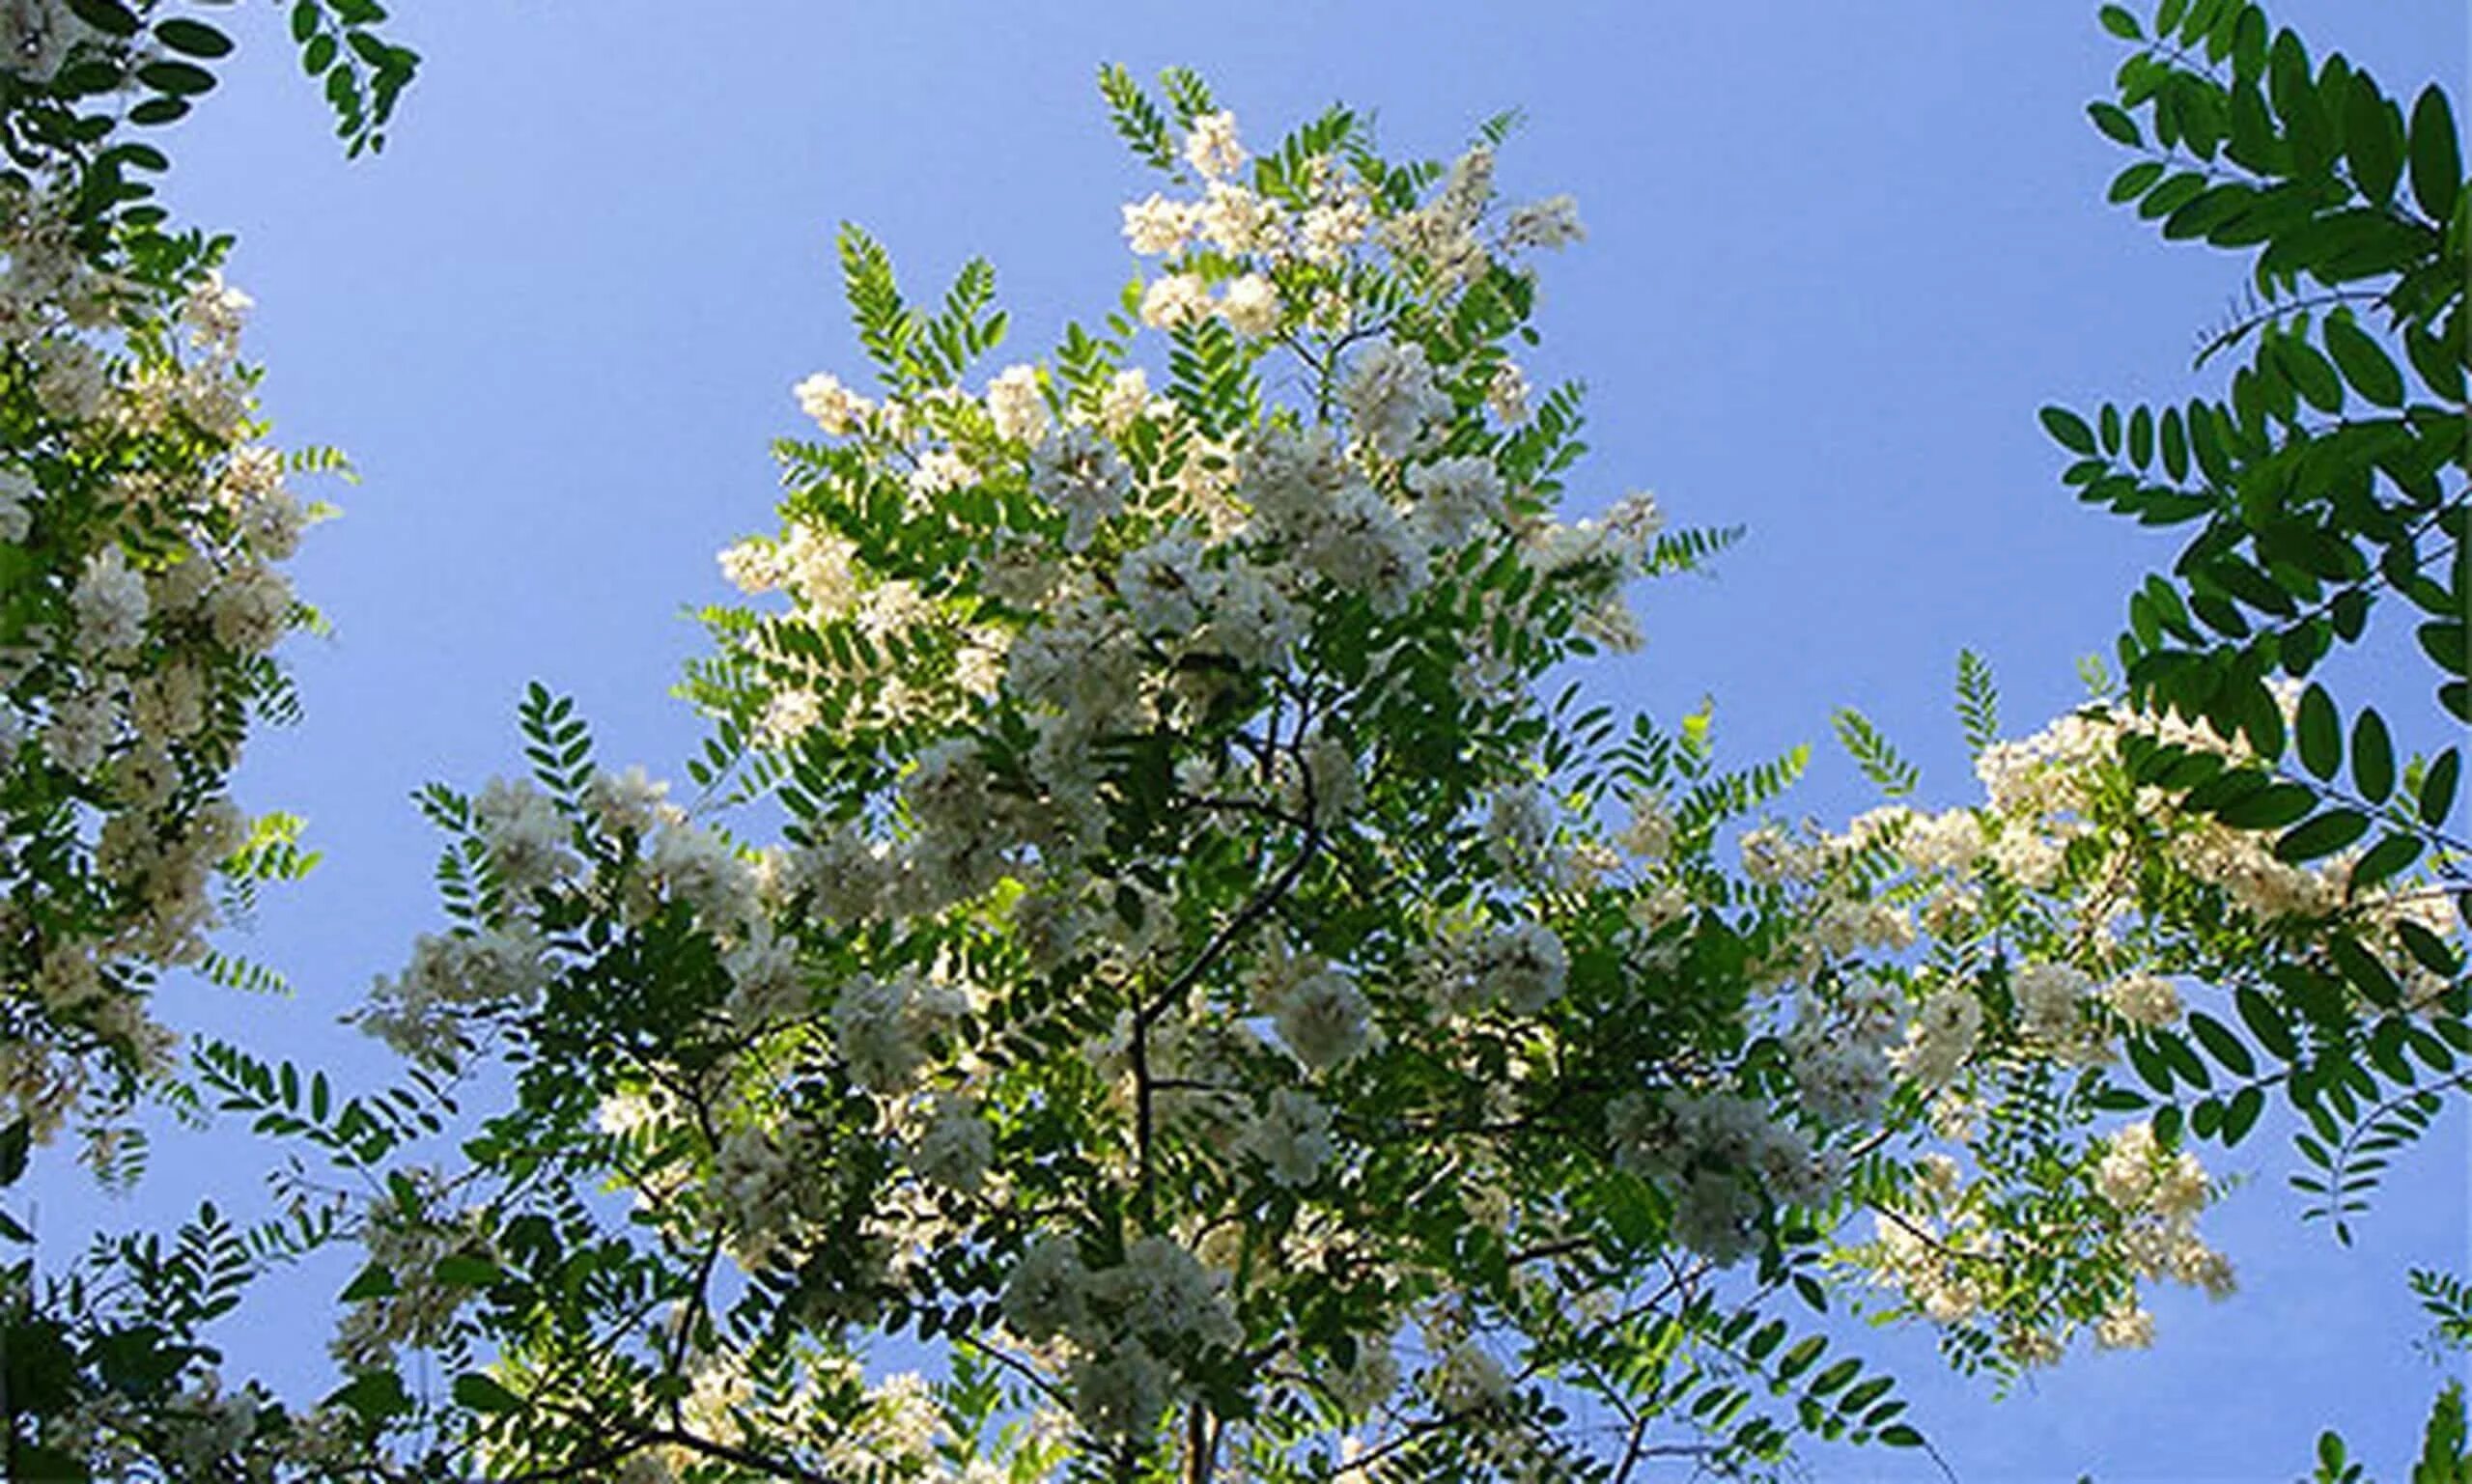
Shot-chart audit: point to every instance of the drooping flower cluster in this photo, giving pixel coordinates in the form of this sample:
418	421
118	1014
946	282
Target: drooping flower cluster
143	528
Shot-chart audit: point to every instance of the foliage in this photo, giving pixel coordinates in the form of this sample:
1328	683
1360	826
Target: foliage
1146	941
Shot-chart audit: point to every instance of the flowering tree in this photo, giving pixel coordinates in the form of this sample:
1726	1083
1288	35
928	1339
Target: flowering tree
1144	927
2325	492
143	523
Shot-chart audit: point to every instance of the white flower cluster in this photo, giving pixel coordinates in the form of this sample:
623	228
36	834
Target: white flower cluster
1841	1062
1127	1328
1392	398
1718	1153
420	1012
407	1233
887	1029
1292	1136
129	665
1463	969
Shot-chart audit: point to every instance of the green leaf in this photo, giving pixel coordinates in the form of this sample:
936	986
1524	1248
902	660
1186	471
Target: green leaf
2437	159
2176	444
2443	1459
482	1393
2120	23
109	17
158	110
2427	948
2321	733
2222	1045
2182	1062
2172	195
2370	142
192	38
2372	979
373	1396
2310	373
2322	837
2068	430
2373	757
2272	807
1874	754
16	1141
2134	180
2384	858
2265	1021
463	1270
372	1282
179	79
2364	363
2242	1116
2115	124
1978	702
2437	789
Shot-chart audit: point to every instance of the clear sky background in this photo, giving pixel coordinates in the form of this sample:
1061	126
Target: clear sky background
1838	255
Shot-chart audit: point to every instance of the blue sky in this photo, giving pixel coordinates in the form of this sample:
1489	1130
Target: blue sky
1838	255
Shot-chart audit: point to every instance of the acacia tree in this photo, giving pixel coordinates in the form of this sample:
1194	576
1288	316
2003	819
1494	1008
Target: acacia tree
1202	986
144	524
2326	492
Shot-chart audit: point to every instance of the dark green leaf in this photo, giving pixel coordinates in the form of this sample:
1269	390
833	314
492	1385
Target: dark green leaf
2364	363
2370	142
2373	757
2120	23
2220	1044
2310	373
2265	1022
374	1282
2322	837
2135	181
2182	1060
2437	788
461	1269
2272	807
2069	429
2383	859
179	79
2371	978
2115	124
109	17
2242	1116
192	38
483	1393
2427	948
2172	195
2176	444
1799	1358
2321	733
2438	160
15	1142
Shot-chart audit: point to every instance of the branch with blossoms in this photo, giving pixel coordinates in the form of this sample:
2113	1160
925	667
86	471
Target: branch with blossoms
1169	813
